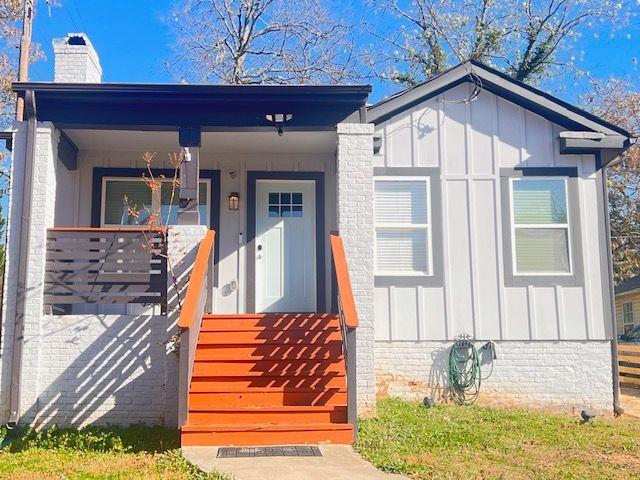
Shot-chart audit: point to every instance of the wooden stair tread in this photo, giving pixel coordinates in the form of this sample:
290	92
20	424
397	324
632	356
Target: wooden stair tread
303	374
261	358
252	427
259	316
274	389
268	408
212	327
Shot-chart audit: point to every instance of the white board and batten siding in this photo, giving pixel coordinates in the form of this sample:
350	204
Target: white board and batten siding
470	143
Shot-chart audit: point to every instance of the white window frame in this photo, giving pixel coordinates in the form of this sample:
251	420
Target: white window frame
562	226
428	227
625	323
155	206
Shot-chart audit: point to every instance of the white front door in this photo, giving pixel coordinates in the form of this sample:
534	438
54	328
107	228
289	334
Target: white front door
285	246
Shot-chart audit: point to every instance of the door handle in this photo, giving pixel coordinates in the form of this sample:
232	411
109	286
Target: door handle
259	248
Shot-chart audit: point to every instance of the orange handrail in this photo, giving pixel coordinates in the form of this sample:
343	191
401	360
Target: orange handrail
198	275
107	229
344	282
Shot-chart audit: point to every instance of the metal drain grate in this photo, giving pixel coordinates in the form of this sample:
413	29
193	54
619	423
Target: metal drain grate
285	451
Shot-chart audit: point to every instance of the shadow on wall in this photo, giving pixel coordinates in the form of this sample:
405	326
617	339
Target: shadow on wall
104	370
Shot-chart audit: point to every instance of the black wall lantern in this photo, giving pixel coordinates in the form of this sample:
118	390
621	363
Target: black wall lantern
234	201
279	119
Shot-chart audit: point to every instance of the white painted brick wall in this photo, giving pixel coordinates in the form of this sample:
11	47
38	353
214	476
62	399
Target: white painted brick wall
101	369
9	295
76	63
84	369
355	225
557	375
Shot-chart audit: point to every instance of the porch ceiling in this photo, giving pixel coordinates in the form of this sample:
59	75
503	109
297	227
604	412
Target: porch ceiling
319	142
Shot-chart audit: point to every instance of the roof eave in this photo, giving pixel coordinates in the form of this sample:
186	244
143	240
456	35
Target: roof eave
500	84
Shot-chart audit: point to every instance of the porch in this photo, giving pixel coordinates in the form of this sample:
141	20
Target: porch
110	188
98	264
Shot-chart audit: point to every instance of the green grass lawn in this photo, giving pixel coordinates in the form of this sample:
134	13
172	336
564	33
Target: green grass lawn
451	442
97	453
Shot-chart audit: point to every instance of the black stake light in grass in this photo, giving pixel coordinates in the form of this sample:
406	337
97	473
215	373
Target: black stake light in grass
587	415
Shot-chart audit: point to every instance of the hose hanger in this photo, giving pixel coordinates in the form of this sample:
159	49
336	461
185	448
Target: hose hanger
465	376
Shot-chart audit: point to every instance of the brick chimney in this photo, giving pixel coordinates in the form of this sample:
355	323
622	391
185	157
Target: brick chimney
76	61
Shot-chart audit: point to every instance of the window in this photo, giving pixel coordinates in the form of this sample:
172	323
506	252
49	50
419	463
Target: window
116	211
285	204
627	316
403	226
540	226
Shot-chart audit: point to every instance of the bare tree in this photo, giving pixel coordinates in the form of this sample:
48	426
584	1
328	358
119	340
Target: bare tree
616	100
263	41
525	39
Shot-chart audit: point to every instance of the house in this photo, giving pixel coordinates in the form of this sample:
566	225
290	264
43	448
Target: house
471	206
627	305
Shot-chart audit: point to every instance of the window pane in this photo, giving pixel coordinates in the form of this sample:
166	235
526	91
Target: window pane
402	251
401	201
539	201
627	309
116	210
541	250
169	205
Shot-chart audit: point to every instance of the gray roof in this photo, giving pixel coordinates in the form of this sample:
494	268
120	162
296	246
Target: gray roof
628	285
542	103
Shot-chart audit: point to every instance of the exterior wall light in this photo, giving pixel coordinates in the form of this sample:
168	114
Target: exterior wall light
279	119
234	201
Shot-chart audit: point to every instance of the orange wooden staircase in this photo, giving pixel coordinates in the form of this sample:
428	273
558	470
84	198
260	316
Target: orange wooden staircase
266	379
270	379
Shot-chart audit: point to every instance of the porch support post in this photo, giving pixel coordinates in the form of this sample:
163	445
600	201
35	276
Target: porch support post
354	160
182	246
188	213
31	212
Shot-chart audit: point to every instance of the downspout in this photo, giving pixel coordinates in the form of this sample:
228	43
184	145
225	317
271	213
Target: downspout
615	367
24	240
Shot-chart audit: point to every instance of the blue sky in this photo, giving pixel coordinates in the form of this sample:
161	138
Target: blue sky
133	39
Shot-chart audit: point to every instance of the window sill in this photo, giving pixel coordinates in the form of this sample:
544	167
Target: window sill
404	280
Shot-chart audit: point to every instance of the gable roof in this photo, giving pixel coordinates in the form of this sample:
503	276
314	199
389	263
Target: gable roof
628	285
492	80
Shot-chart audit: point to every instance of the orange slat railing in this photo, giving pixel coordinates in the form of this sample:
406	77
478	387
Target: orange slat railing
345	292
190	321
348	324
195	289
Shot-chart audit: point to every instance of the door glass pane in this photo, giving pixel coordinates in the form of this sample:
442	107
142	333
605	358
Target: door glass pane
539	201
169	205
540	250
123	198
285	205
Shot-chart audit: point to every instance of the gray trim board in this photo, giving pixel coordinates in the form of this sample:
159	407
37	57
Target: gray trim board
604	244
67	152
252	178
518	172
497	82
436	279
512	280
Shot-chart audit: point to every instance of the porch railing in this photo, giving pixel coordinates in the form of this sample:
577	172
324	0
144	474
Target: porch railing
190	321
104	266
348	323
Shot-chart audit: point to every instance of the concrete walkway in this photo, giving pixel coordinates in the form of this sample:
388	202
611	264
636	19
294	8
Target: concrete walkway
338	462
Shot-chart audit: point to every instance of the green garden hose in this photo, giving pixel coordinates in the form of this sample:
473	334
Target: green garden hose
464	372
